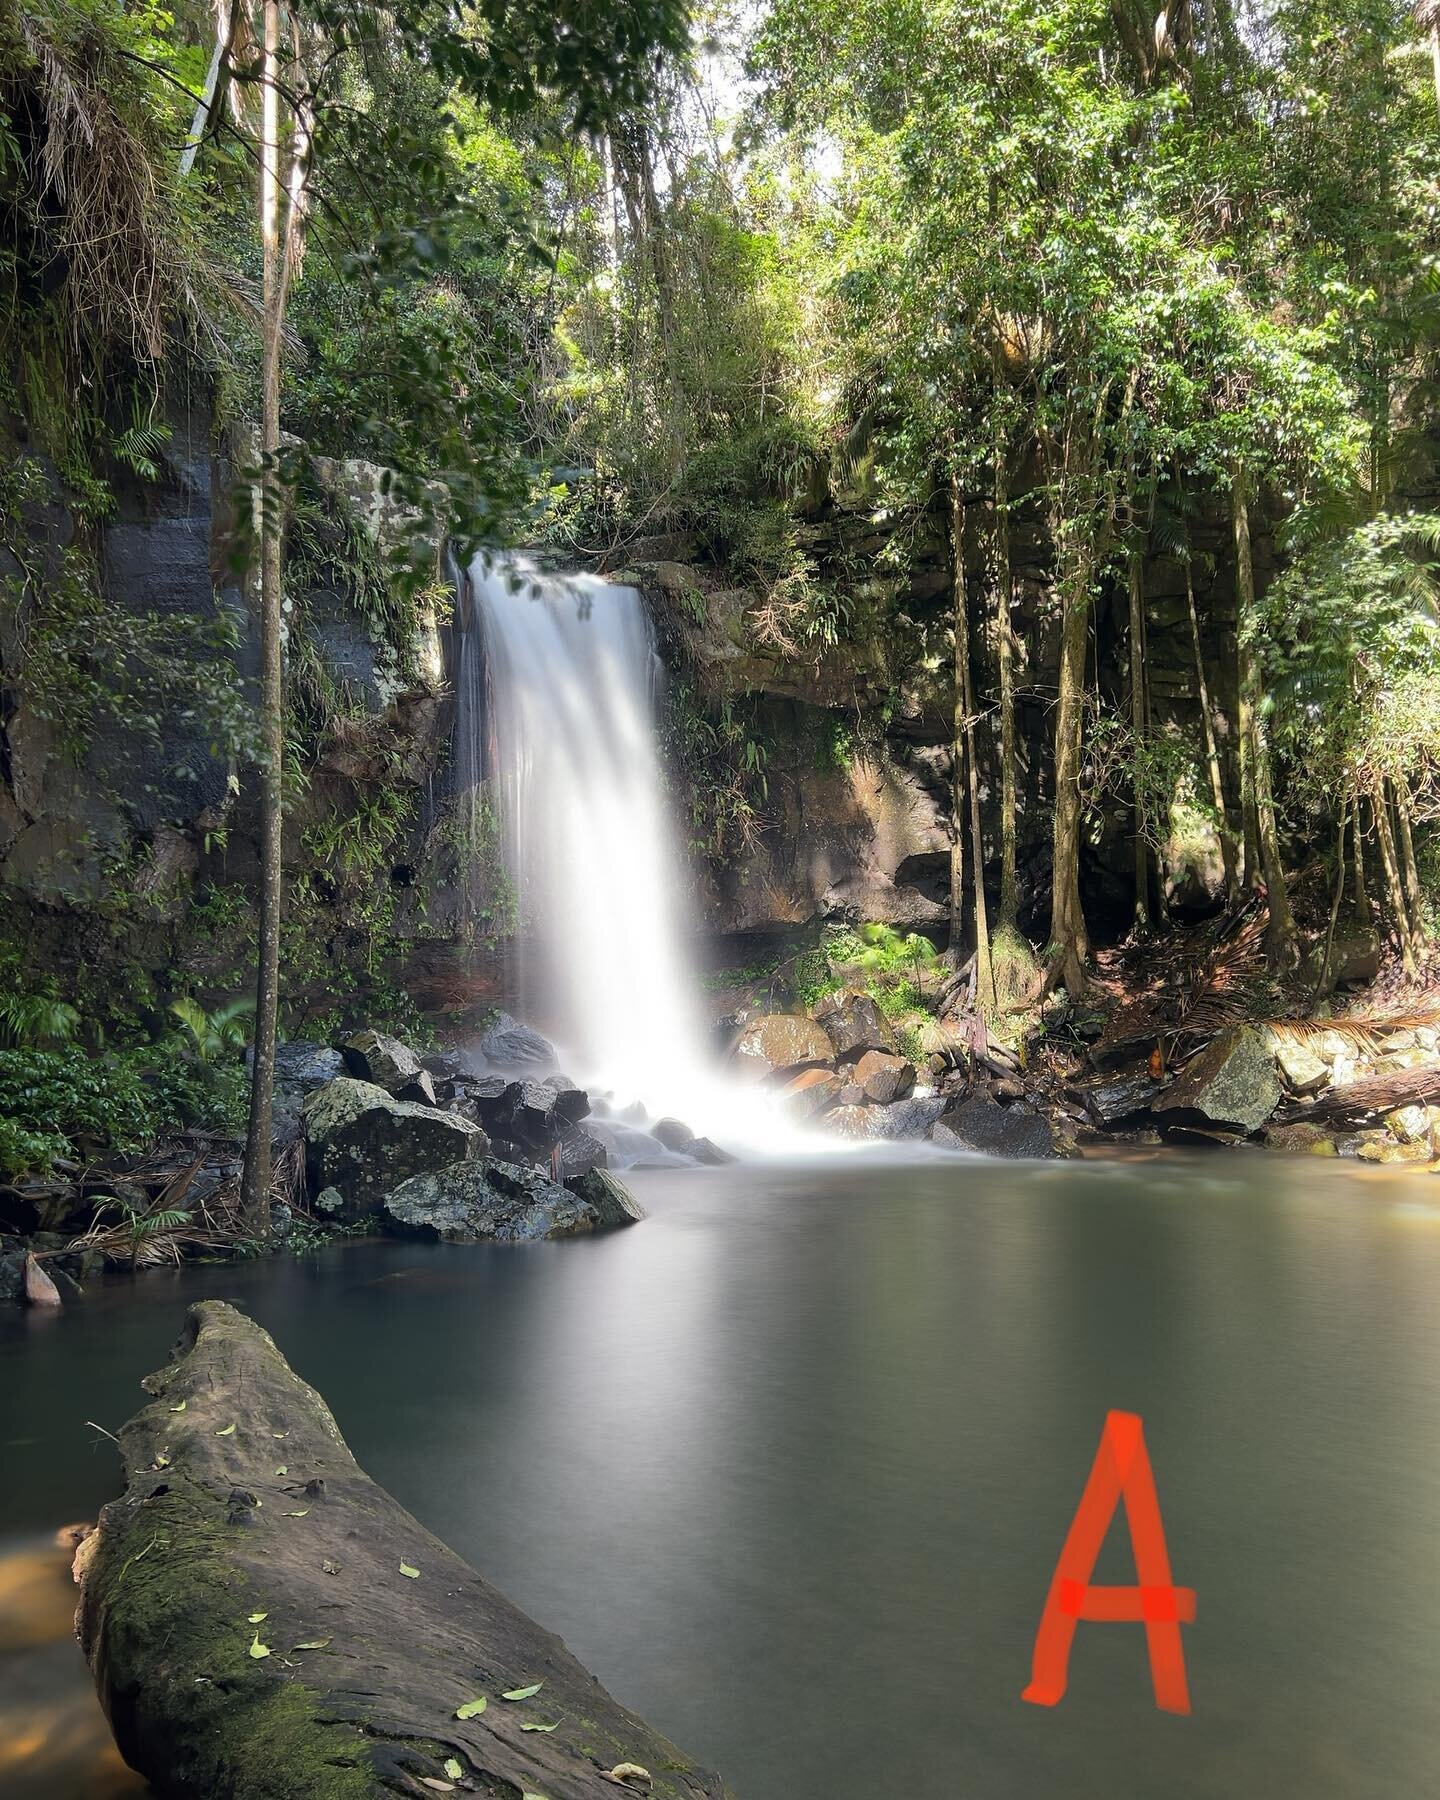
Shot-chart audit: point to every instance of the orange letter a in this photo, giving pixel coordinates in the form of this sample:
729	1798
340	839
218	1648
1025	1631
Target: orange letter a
1122	1466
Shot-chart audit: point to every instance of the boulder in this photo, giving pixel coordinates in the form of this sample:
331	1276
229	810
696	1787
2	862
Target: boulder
810	1092
1391	1152
911	1118
481	1200
853	1023
13	1255
780	1044
576	1152
1304	1140
883	1077
1303	1070
852	1094
704	1150
510	1045
305	1065
981	1124
672	1134
364	1142
1111	1099
1232	1083
376	1057
1355	956
1413	1124
610	1200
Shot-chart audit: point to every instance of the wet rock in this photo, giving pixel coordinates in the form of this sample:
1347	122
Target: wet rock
448	1065
704	1150
306	1065
510	1045
810	1092
12	1269
1232	1083
611	1200
478	1200
376	1057
854	1024
910	1118
854	1121
1302	1139
576	1153
779	1044
672	1134
1112	1099
362	1141
1391	1152
421	1090
852	1094
981	1124
883	1077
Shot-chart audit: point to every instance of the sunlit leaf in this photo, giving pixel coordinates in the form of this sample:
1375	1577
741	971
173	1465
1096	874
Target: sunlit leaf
472	1708
315	1644
257	1649
299	1513
181	1407
453	1768
226	1431
554	1727
255	1618
523	1693
405	1569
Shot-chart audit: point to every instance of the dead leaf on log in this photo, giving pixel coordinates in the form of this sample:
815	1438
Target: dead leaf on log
406	1569
472	1708
257	1649
523	1693
315	1644
226	1431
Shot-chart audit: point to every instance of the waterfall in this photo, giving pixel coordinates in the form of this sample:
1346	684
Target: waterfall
556	711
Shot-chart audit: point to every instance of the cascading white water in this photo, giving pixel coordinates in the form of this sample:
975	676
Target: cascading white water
558	679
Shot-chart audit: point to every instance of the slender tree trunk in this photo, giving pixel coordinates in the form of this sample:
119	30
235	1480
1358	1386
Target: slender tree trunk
1409	869
1139	725
1229	849
1005	658
965	716
1395	894
1067	916
1323	981
1435	61
1244	682
959	612
255	1181
1362	891
1282	943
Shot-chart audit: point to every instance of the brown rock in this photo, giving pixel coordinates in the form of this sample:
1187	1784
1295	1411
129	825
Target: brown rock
884	1077
780	1043
854	1024
40	1290
811	1092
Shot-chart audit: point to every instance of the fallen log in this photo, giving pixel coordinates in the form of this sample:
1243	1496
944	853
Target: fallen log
1370	1098
265	1623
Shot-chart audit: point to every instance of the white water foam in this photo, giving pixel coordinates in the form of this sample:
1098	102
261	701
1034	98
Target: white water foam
558	681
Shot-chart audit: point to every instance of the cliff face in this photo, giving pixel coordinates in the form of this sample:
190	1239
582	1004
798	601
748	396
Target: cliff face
857	739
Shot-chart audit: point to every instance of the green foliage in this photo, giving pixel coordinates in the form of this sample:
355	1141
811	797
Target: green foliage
36	1020
75	1104
214	1034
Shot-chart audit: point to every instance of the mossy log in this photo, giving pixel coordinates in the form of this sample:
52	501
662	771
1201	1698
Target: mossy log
247	1527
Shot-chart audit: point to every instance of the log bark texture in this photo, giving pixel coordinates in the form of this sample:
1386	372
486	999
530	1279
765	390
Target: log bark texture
243	1499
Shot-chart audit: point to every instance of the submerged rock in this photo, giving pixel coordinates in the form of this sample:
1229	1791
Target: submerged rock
779	1044
471	1202
883	1077
854	1024
1307	1140
1232	1083
363	1142
510	1045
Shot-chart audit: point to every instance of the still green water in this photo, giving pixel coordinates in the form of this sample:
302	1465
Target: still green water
789	1466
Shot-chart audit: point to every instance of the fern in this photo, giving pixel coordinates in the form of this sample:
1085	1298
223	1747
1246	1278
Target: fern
36	1021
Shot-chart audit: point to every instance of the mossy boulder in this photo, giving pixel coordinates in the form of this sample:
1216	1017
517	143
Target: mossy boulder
507	1202
377	1057
1232	1083
364	1143
265	1623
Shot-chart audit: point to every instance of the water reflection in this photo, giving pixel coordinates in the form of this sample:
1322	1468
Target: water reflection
789	1466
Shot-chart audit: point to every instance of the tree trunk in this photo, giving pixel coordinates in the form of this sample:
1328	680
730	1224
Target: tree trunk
1409	869
1139	726
1229	849
1244	682
1362	891
965	713
1394	892
378	1635
1067	917
1005	658
1281	941
255	1180
957	734
1322	984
